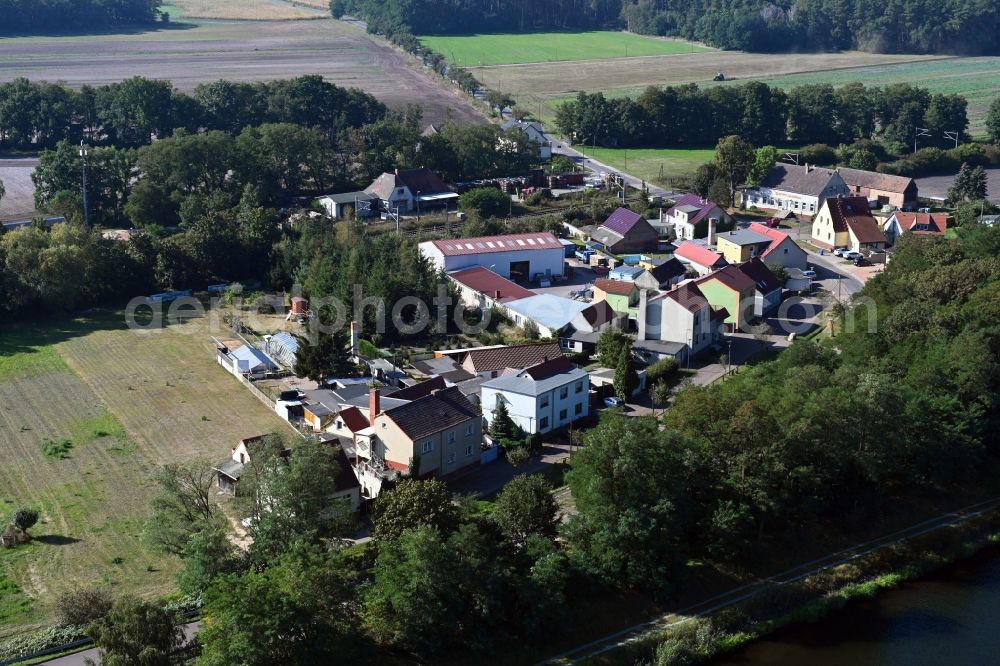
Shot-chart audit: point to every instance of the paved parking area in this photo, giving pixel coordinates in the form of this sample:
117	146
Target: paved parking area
582	276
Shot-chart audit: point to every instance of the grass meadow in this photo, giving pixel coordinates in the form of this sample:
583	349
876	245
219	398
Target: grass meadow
509	49
654	165
128	403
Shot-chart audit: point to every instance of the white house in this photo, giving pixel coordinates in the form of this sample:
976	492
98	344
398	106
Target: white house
783	251
689	216
515	256
683	317
411	190
536	134
798	189
540	398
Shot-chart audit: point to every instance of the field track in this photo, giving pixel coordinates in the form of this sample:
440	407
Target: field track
193	53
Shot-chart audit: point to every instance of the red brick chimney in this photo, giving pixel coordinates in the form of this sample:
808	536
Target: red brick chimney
374	406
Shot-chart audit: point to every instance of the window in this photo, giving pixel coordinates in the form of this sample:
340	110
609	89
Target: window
579	387
544	402
786	250
562	414
543	424
578	409
493	374
468	430
451	437
340	424
468	450
451	458
428	446
563	392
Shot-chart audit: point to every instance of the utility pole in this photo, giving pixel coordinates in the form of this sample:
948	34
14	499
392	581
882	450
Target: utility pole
918	132
86	208
953	136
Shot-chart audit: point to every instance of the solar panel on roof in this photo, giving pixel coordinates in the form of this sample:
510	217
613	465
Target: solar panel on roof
520	242
490	243
531	241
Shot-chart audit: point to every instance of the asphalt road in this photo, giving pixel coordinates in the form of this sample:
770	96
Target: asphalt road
80	658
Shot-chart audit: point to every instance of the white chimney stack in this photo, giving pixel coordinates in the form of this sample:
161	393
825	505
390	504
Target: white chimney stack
355	338
641	315
713	223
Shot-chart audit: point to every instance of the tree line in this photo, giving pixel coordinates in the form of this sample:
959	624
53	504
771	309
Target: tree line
136	111
687	115
54	16
881	26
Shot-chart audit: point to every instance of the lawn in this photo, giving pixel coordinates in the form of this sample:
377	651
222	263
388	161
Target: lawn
509	49
654	165
128	402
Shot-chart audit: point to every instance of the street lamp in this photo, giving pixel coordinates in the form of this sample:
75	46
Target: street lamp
86	208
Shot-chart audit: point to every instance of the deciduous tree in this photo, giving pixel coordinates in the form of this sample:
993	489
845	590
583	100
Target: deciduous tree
411	503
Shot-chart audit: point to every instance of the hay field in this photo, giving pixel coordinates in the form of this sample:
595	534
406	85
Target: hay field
512	48
194	53
539	86
247	10
128	402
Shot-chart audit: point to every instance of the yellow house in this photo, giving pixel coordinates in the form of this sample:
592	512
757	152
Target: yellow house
741	245
831	226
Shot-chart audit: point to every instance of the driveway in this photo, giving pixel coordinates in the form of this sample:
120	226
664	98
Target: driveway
490	478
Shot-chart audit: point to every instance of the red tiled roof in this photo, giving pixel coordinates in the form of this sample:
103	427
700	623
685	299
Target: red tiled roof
843	209
620	287
552	366
487	282
515	356
698	254
354	419
732	277
509	243
776	236
866	230
762	276
935	224
689	296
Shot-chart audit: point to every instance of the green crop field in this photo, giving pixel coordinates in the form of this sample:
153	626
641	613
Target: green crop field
127	403
977	79
508	49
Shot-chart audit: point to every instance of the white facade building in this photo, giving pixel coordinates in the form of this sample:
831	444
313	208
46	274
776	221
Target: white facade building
515	256
541	398
798	189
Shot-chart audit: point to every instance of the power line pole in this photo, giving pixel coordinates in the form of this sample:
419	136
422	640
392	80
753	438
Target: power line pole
86	208
918	132
953	136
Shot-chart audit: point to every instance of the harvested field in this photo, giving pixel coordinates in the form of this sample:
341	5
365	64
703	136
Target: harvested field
249	10
537	87
194	53
128	402
506	48
19	201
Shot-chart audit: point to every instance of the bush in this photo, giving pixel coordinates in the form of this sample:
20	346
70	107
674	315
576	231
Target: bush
83	606
661	370
485	202
518	456
24	519
40	640
56	449
819	154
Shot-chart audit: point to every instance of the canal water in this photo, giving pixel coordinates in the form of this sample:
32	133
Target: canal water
952	618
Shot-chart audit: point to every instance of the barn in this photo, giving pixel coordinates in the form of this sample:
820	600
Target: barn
522	257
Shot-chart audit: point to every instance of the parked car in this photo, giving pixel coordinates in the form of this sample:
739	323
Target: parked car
811	274
861	261
612	402
852	256
839	252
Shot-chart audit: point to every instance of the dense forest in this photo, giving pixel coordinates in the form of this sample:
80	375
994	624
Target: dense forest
884	26
55	16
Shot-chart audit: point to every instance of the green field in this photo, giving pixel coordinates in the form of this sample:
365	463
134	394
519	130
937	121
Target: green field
509	49
977	79
128	402
646	163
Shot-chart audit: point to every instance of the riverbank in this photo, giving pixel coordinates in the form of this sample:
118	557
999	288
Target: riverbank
699	639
